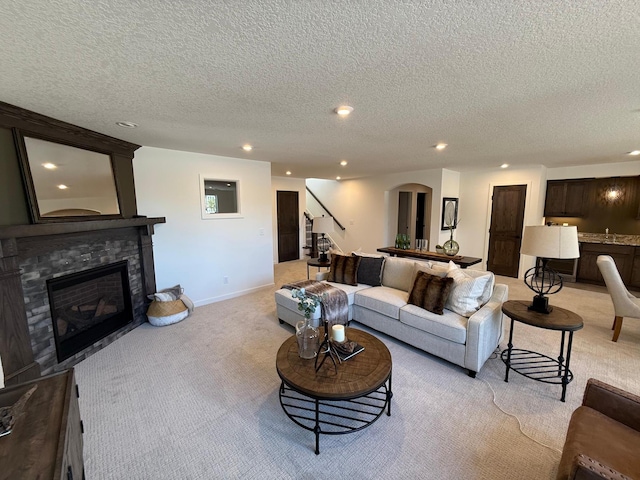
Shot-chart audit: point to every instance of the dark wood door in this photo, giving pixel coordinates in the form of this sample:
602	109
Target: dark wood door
505	232
288	226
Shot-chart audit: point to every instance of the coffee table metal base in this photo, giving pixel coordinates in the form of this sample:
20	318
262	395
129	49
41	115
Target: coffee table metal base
335	417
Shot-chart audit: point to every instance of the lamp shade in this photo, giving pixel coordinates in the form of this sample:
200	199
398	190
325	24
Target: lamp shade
550	241
322	225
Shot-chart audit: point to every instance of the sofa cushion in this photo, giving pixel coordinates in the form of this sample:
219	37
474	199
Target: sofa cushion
398	273
370	270
344	269
384	300
603	439
350	290
449	325
469	290
430	292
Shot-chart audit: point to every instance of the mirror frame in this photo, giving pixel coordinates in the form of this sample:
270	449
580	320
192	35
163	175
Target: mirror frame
445	201
30	190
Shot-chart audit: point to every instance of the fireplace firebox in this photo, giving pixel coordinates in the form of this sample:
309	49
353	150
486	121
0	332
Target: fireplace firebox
87	306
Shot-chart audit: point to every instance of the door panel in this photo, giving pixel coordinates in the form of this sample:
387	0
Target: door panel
288	226
505	233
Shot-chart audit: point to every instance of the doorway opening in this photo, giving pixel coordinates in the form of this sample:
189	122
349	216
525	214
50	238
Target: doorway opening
410	212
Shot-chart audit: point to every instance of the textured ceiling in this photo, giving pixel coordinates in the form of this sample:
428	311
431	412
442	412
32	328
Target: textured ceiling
523	82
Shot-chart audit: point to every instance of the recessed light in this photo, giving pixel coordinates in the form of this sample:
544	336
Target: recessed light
50	166
343	110
440	146
343	163
62	187
127	124
337	178
504	165
288	172
634	152
247	147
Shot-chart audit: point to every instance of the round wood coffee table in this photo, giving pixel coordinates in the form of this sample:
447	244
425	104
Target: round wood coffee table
336	401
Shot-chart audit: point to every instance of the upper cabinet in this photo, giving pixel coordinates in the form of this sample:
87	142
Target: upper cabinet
566	198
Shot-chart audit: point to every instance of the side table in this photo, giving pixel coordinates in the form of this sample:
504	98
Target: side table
316	262
535	365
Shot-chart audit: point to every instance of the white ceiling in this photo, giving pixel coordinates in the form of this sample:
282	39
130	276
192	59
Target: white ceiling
548	82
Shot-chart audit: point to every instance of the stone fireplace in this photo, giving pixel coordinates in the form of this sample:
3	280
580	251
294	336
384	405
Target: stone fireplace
64	276
53	248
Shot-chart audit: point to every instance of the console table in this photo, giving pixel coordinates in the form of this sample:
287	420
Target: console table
46	440
463	262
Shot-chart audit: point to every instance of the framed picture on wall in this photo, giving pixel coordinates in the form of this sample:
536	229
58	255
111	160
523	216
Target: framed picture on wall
449	213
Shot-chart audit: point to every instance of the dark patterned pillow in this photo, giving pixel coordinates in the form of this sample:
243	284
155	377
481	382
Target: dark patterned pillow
430	292
370	270
344	269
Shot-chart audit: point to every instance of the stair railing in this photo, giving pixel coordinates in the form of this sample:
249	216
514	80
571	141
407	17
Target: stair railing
325	209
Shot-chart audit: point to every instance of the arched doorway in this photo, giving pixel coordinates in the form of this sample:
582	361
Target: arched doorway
410	212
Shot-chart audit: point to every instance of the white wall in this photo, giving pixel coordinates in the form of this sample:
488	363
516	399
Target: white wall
476	188
291	185
364	207
198	254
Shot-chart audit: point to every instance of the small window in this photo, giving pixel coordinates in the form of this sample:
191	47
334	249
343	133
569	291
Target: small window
220	198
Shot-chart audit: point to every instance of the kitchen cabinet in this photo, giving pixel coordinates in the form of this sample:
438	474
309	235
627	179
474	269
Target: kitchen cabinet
623	255
635	270
566	198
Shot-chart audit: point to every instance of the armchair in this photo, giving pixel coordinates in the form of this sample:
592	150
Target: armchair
603	436
624	304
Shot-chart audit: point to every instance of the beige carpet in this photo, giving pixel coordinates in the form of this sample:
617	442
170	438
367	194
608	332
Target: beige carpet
199	400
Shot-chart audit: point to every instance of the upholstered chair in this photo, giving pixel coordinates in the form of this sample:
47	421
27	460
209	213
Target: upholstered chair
624	304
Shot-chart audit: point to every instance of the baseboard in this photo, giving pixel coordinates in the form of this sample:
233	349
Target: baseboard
239	293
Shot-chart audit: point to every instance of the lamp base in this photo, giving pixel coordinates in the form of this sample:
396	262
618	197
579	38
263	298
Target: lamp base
323	258
540	304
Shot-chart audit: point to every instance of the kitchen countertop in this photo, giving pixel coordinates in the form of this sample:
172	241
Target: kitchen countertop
611	239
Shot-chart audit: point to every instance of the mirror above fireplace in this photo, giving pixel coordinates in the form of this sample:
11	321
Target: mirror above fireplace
66	183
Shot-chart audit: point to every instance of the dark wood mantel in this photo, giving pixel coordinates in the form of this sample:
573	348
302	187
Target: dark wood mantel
43	229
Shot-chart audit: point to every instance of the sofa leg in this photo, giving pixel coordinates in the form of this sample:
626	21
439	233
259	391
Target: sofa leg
281	321
471	373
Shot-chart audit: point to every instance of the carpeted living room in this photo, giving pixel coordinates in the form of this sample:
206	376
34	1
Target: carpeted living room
199	399
172	173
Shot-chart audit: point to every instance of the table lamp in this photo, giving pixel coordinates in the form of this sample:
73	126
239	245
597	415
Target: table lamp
547	242
323	225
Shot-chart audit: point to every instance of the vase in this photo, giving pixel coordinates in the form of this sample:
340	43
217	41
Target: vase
451	247
307	337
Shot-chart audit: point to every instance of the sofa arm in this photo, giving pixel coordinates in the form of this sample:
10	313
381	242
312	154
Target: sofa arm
586	468
485	329
622	406
321	276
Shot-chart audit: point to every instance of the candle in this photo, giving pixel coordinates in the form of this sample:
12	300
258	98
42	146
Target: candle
337	333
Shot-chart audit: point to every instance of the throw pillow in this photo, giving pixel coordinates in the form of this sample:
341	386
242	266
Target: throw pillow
467	293
344	269
370	270
430	292
437	270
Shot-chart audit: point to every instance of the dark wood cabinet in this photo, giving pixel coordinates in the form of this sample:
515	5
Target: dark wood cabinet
623	255
635	270
46	440
566	198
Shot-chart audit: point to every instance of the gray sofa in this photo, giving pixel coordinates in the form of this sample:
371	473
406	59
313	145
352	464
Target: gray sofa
465	340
